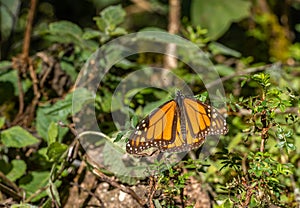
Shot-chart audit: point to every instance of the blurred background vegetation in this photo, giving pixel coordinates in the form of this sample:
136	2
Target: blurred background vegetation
255	47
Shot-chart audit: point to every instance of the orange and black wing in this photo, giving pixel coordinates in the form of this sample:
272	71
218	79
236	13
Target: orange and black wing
178	125
158	129
184	140
202	119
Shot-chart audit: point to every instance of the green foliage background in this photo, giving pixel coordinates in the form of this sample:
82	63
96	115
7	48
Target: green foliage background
255	48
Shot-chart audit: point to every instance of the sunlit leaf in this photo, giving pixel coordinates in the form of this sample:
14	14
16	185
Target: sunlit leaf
52	133
17	171
34	181
17	137
2	122
55	151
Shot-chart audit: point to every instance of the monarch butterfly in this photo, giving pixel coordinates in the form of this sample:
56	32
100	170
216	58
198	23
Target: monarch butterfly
176	126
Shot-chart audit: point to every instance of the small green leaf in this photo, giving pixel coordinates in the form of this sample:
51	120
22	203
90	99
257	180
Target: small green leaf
17	137
90	34
157	203
101	24
69	69
273	179
65	27
55	151
291	146
134	121
289	133
224	70
54	113
52	133
119	137
33	182
118	31
280	144
227	204
113	15
202	97
18	170
2	122
218	48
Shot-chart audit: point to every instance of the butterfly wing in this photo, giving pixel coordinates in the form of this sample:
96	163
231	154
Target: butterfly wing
203	120
181	142
177	125
158	129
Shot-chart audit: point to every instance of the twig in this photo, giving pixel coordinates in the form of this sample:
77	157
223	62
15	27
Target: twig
49	61
264	132
28	30
10	192
113	183
21	95
174	16
36	193
142	4
153	187
249	194
21	61
173	28
9	187
8	182
53	196
36	92
89	192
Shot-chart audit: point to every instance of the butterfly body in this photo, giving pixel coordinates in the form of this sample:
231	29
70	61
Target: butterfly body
178	125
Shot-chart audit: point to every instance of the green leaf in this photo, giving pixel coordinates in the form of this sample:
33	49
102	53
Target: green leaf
2	122
71	33
119	137
52	133
218	15
118	31
224	70
18	170
80	97
297	27
157	203
291	146
90	34
17	137
65	27
281	144
55	151
116	164
69	69
9	10
12	77
113	15
54	113
108	21
289	133
5	65
235	141
273	179
218	48
33	182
